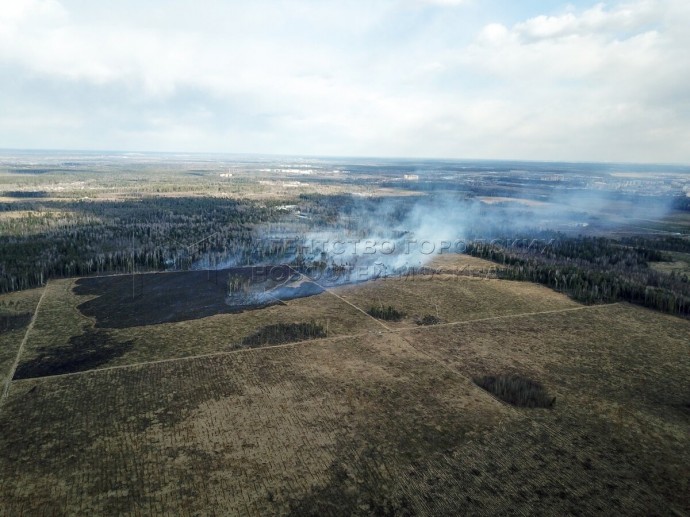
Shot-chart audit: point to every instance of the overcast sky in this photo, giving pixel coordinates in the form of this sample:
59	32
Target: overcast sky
538	80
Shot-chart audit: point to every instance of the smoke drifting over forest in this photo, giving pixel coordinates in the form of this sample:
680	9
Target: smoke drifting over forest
395	236
397	232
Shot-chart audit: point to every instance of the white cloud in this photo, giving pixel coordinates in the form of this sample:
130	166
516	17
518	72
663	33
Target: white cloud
603	82
17	11
445	3
494	34
597	19
599	84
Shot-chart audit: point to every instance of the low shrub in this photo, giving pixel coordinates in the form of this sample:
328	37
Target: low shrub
429	319
284	333
386	313
516	390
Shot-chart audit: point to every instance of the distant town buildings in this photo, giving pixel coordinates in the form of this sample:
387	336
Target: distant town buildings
411	177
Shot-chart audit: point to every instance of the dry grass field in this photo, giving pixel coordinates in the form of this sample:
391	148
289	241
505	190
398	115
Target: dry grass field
61	321
453	297
372	419
621	378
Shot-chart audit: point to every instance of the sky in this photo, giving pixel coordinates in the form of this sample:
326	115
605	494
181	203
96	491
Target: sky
493	79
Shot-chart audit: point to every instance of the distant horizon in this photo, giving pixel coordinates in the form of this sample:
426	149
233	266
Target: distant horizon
183	153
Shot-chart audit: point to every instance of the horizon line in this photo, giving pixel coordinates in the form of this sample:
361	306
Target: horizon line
341	157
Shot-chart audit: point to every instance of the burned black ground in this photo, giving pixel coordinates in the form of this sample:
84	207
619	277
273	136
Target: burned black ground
85	352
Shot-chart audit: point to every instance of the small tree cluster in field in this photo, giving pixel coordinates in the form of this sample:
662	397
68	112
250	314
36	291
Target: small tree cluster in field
516	390
428	319
386	313
285	333
9	322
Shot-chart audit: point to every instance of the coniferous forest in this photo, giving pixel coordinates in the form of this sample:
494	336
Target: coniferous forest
181	219
599	269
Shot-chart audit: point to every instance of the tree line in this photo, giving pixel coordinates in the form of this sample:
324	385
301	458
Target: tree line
597	270
76	238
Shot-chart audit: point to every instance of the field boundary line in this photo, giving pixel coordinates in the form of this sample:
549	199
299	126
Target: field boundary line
138	273
307	341
197	356
458	373
13	369
342	299
507	316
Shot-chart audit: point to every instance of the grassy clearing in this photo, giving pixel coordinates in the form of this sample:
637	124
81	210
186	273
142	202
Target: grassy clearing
446	298
623	351
357	426
59	319
60	323
459	263
454	298
225	332
449	298
680	265
383	422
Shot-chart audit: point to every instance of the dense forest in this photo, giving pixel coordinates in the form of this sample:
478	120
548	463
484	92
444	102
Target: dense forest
76	238
44	238
53	239
598	269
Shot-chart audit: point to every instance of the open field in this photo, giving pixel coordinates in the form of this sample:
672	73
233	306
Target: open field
453	298
366	420
250	432
169	180
620	376
61	323
76	315
675	222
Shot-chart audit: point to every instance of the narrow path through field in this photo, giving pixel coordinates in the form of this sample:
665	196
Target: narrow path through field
197	356
310	341
342	299
10	374
506	316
